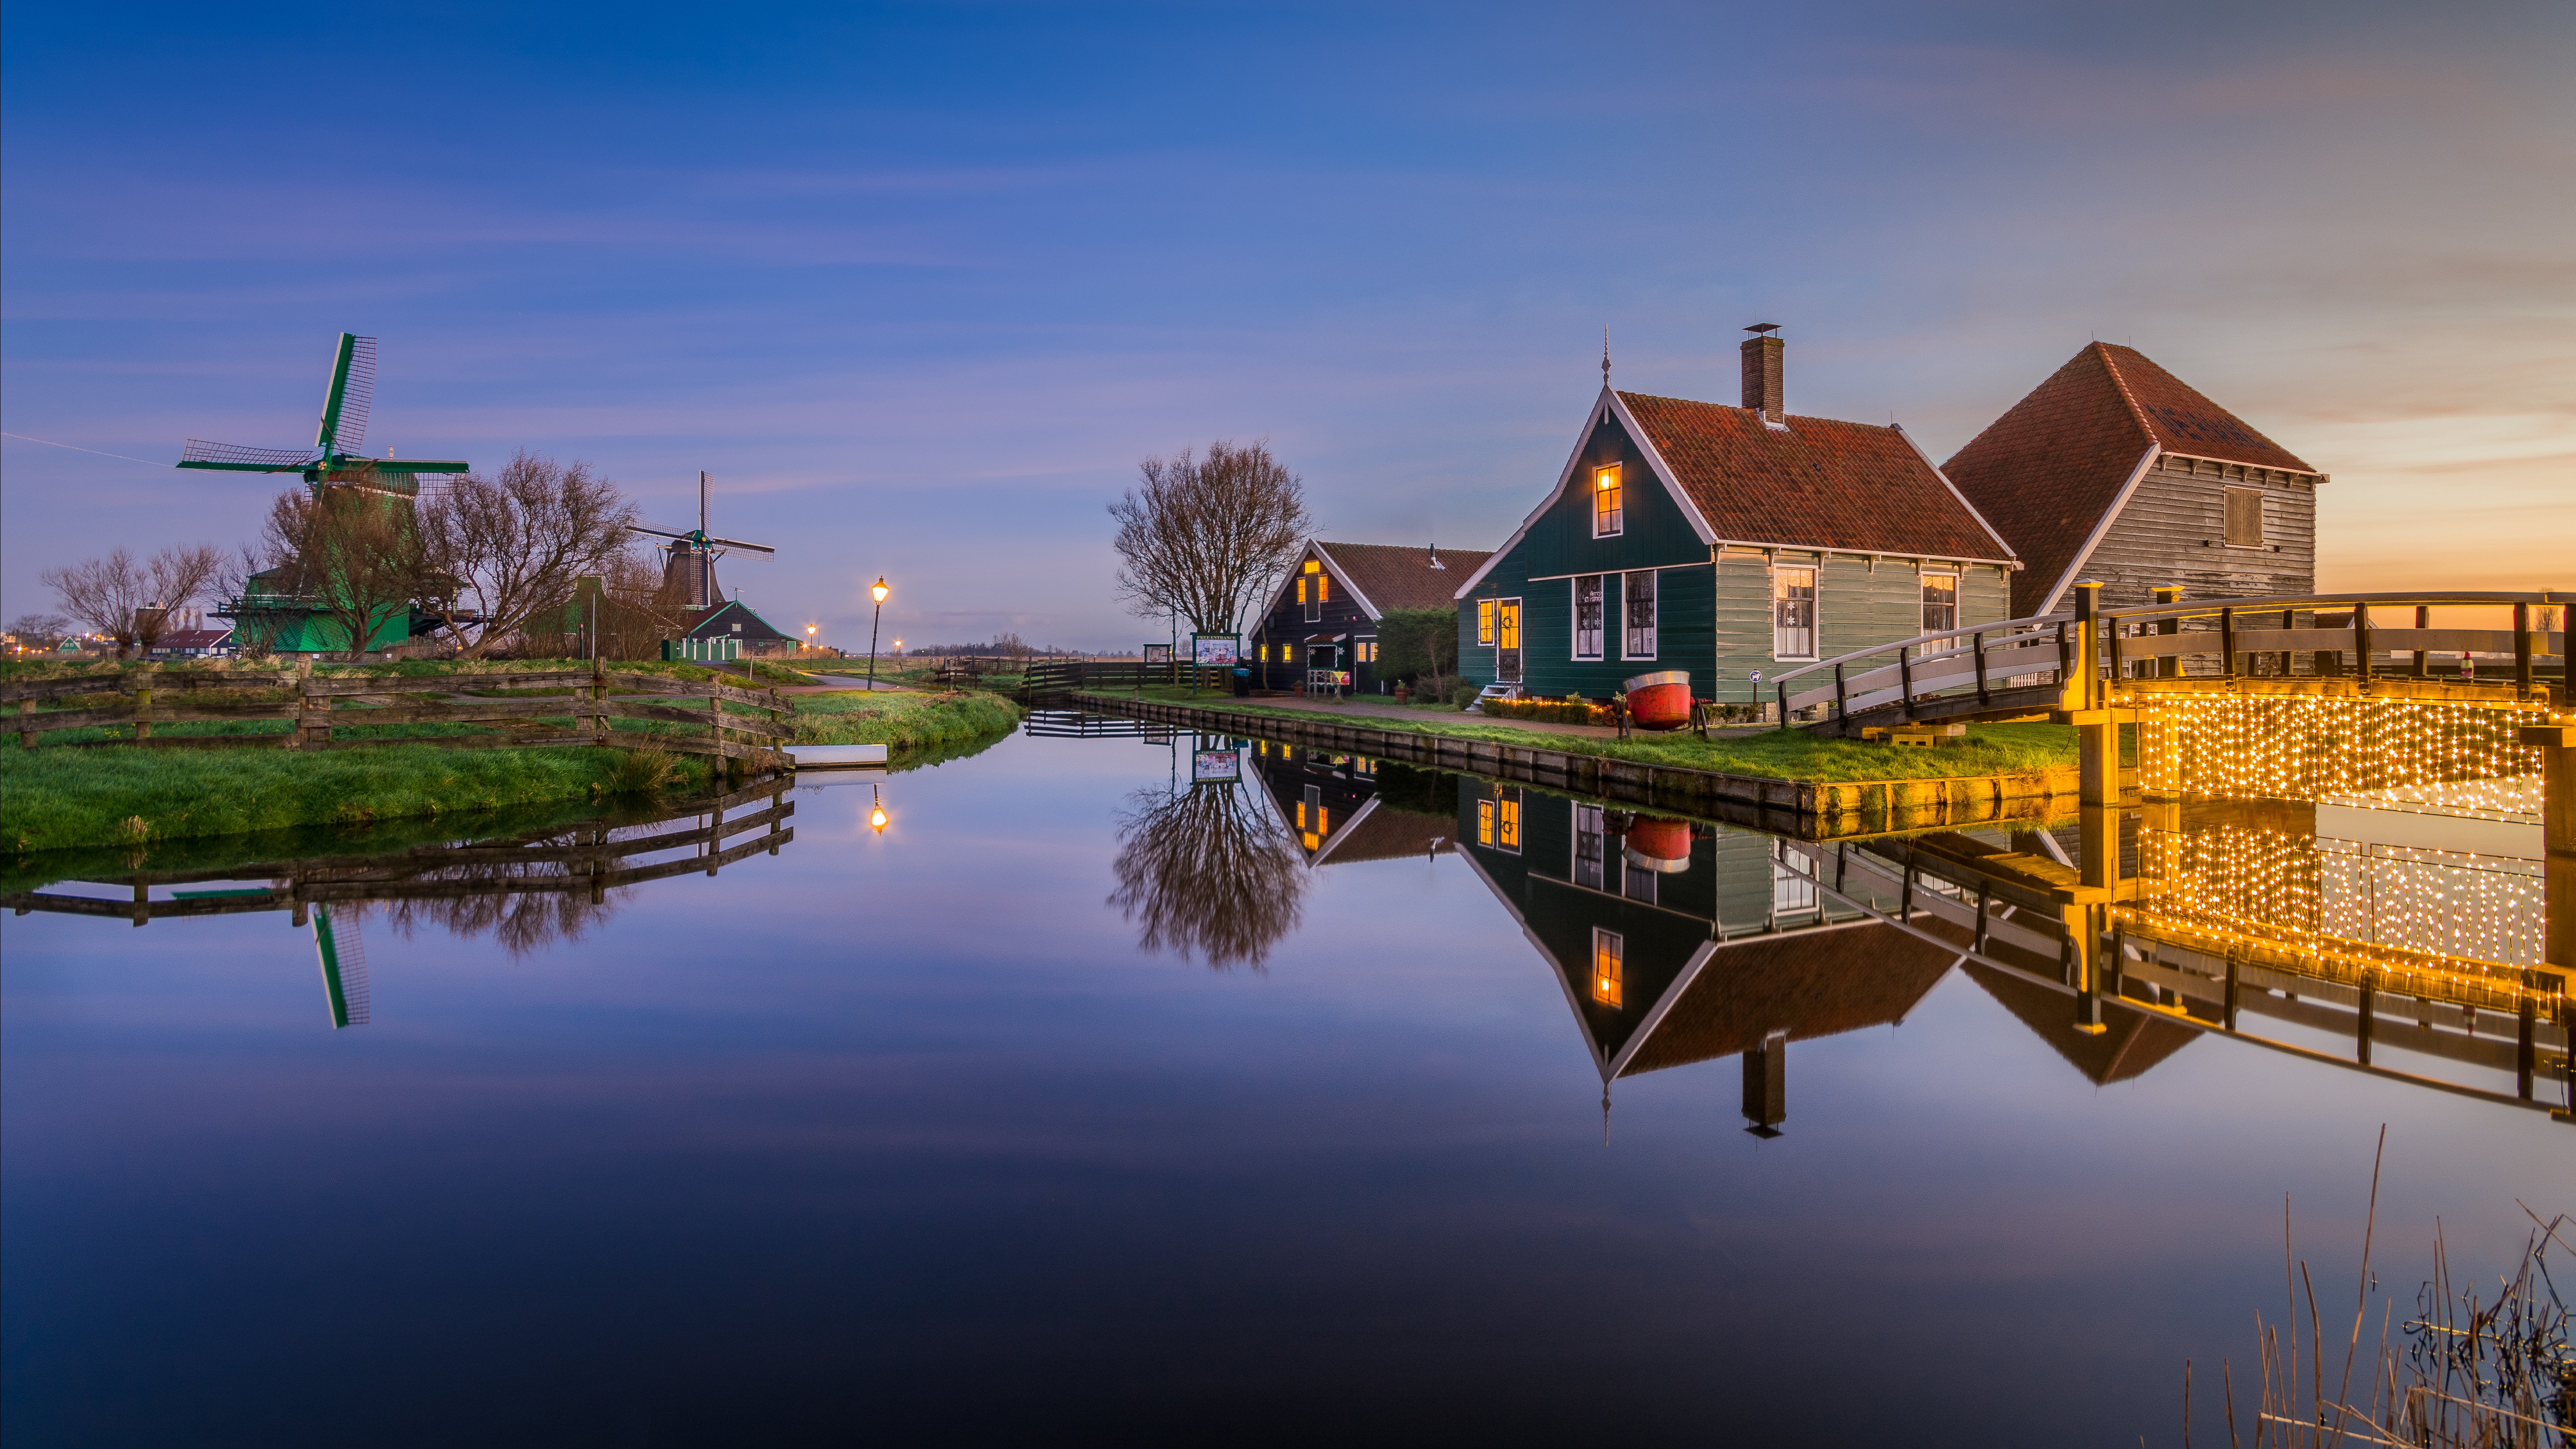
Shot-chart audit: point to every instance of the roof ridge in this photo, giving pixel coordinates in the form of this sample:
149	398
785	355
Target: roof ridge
2120	380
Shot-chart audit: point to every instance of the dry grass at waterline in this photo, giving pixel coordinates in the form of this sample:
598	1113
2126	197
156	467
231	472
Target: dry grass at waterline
2477	1364
62	799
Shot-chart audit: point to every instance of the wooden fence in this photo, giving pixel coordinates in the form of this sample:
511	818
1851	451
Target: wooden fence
578	707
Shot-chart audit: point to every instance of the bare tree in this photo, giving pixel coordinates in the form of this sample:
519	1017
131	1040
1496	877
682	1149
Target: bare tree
624	611
1208	870
516	546
355	553
40	631
1202	536
131	603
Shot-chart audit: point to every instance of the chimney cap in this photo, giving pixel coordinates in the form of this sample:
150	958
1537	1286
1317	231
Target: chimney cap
1758	328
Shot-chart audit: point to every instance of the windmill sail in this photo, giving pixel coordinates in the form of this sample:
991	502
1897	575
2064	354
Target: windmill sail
204	454
353	393
344	967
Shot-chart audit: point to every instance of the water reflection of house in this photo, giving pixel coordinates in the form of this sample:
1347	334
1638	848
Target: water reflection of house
1678	944
1345	808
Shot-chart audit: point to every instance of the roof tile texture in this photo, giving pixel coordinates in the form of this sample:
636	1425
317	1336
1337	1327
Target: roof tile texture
1816	483
1397	576
2044	473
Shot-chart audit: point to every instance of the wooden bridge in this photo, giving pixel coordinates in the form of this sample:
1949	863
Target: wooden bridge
2093	657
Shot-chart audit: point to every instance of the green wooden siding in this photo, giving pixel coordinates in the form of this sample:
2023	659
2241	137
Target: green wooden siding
1857	606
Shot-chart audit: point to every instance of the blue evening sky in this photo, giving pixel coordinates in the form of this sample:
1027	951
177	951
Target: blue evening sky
921	284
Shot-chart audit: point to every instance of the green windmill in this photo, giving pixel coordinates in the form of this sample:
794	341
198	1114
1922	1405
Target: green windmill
344	966
289	621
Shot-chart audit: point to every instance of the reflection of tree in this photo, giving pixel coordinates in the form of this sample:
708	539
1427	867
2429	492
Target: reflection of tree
519	920
1208	871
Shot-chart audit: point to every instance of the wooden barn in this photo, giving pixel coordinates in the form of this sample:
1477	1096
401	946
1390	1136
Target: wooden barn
2115	469
1321	625
1727	542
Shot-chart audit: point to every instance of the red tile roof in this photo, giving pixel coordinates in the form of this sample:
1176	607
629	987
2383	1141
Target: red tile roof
1398	576
1816	483
2044	473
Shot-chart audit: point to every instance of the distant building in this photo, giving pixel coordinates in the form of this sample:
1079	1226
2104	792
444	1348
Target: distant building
1726	542
730	630
193	644
2115	469
1324	619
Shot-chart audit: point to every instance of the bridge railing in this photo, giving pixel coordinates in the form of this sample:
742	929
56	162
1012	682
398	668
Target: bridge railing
1977	662
2380	633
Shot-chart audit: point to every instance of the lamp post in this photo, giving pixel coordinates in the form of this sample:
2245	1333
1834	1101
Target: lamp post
877	591
809	637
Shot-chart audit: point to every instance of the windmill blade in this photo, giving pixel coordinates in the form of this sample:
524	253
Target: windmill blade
344	967
418	465
198	453
353	392
660	532
738	543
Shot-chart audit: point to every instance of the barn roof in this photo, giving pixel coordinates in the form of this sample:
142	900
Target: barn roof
722	618
1807	983
2136	1041
1391	576
2048	472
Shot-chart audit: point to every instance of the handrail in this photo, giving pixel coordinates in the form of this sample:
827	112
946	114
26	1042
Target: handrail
1981	637
2440	598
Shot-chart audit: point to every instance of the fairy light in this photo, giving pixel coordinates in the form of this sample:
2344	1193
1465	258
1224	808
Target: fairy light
2446	924
2320	746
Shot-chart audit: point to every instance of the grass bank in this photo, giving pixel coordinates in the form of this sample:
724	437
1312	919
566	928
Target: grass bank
60	799
903	722
2006	749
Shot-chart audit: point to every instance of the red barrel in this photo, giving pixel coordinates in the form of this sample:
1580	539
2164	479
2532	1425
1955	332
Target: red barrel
1660	701
1659	845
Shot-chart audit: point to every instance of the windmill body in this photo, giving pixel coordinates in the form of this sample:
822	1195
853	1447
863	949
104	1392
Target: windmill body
689	582
271	607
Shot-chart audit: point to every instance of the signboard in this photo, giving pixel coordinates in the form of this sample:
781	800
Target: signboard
1216	651
1215	766
1158	653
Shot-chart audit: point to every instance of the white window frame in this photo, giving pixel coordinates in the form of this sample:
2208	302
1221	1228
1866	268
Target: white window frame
1923	595
1592	975
1815	610
1485	622
1600	834
1600	620
1654	601
1618	514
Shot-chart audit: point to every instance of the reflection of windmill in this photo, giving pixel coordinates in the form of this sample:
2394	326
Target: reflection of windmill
344	966
334	456
690	576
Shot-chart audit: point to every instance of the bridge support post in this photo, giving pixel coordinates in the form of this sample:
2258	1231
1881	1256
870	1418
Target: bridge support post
2170	666
2084	965
1766	1085
2557	745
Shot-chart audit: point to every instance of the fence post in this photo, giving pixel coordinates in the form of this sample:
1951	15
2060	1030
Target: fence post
715	726
2423	620
307	733
1977	649
2361	641
2170	666
143	704
2522	650
26	724
1904	678
598	703
2227	642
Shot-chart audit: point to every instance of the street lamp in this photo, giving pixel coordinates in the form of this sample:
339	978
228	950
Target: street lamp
809	637
877	591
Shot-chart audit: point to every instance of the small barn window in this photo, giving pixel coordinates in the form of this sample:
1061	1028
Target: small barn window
1607	514
1485	621
1484	822
1940	603
1793	613
1639	623
1609	967
1507	820
2244	518
1587	617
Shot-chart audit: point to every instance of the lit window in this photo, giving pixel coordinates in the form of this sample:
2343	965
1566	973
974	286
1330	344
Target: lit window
1608	967
1940	603
1640	616
1507	623
1484	621
1793	613
1484	822
1587	617
2244	518
1606	515
1507	820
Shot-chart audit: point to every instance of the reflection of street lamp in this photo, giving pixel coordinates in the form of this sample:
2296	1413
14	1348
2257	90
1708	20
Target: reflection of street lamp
877	591
876	811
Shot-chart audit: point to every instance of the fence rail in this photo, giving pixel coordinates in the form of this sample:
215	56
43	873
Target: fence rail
723	720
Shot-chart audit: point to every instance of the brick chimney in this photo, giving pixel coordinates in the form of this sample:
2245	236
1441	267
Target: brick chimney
1762	382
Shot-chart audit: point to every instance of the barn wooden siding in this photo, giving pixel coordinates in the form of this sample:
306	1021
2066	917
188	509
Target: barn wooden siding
2174	531
1860	602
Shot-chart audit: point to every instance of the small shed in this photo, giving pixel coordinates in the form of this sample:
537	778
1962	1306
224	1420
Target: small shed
730	630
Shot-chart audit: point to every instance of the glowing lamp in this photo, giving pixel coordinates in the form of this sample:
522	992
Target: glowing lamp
877	817
878	591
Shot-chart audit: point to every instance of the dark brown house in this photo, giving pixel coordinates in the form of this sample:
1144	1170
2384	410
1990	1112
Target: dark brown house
1324	618
2115	469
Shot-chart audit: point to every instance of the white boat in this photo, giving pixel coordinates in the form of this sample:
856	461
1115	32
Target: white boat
836	757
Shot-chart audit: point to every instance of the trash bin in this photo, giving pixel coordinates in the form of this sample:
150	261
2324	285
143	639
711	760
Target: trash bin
1242	683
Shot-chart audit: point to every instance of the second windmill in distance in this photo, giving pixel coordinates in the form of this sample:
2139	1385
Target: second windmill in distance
691	572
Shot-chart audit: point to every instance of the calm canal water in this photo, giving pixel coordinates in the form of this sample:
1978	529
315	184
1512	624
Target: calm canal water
1080	1106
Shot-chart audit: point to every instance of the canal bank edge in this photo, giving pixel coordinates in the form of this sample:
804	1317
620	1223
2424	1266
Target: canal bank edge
1839	806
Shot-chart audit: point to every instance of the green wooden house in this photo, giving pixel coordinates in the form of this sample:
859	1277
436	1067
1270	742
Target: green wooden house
1729	542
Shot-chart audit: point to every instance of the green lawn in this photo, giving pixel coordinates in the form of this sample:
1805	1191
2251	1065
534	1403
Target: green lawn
905	722
2007	749
57	799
